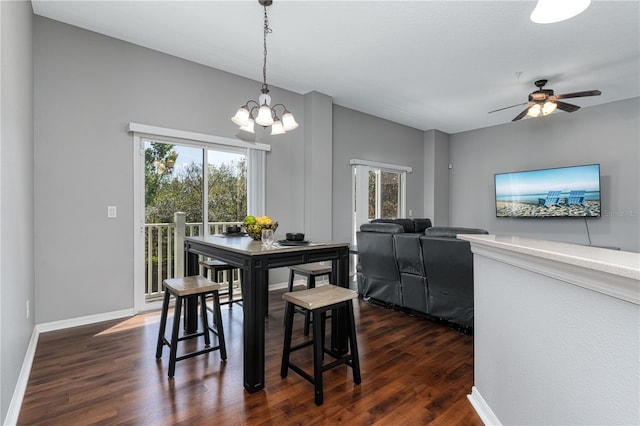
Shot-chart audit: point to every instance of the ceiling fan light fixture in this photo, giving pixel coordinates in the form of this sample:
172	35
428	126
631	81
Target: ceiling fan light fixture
541	109
548	107
534	110
543	102
550	11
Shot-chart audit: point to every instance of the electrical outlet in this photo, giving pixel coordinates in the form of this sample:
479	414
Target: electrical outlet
27	309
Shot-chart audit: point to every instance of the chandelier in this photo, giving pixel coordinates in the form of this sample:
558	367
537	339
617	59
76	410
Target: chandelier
266	114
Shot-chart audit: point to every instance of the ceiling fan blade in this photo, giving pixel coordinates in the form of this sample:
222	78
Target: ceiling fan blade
501	109
580	94
522	114
567	107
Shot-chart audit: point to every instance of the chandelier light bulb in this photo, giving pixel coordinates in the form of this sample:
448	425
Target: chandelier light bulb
550	11
249	126
288	122
242	117
277	128
264	117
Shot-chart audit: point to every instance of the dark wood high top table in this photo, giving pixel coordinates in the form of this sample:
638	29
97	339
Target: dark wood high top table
255	262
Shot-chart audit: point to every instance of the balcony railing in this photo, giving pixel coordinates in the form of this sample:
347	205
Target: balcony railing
165	260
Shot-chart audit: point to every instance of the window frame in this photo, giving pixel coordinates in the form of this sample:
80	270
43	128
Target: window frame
256	190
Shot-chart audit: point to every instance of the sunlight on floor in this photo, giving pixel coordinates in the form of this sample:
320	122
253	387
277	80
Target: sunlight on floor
135	321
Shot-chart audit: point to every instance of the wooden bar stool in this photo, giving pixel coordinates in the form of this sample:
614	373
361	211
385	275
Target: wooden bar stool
216	266
310	271
318	301
183	288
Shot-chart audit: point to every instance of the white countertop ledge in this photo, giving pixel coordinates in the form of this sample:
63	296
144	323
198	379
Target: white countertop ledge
613	272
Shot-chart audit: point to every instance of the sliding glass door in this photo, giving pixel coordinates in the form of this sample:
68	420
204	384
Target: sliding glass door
182	197
384	194
378	192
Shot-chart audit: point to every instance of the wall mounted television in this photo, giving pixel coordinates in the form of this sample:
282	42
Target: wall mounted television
559	192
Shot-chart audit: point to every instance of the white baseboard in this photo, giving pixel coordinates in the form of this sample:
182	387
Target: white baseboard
482	408
278	286
23	379
90	319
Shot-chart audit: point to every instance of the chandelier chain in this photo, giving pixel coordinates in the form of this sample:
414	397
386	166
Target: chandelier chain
267	30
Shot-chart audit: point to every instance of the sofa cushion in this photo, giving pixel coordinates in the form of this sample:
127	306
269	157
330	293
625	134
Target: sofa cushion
448	265
410	225
407	224
421	225
376	256
409	254
382	221
385	227
451	232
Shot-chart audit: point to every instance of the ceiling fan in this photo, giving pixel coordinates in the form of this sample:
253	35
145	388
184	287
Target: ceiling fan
544	102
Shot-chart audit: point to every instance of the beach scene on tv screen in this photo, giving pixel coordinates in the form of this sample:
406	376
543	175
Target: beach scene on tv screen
562	192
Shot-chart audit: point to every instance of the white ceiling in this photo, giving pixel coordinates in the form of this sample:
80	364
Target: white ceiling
426	64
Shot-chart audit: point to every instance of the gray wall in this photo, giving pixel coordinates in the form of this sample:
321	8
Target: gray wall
87	88
317	165
16	193
362	136
606	134
436	180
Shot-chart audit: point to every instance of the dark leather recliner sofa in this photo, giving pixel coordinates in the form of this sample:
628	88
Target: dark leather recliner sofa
429	274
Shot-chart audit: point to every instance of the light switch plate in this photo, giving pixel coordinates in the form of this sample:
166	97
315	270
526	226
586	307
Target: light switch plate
112	211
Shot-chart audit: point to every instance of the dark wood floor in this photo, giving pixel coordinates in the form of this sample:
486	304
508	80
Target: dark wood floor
414	372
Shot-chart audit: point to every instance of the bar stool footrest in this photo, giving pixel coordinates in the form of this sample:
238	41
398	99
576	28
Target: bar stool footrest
196	353
302	373
301	345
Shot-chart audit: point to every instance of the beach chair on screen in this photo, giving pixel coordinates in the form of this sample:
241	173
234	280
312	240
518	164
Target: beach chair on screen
576	197
553	199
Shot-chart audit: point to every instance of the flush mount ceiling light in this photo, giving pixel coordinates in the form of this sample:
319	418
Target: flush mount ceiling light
266	114
550	11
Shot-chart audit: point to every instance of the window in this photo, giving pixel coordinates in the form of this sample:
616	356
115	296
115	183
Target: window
384	194
385	189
